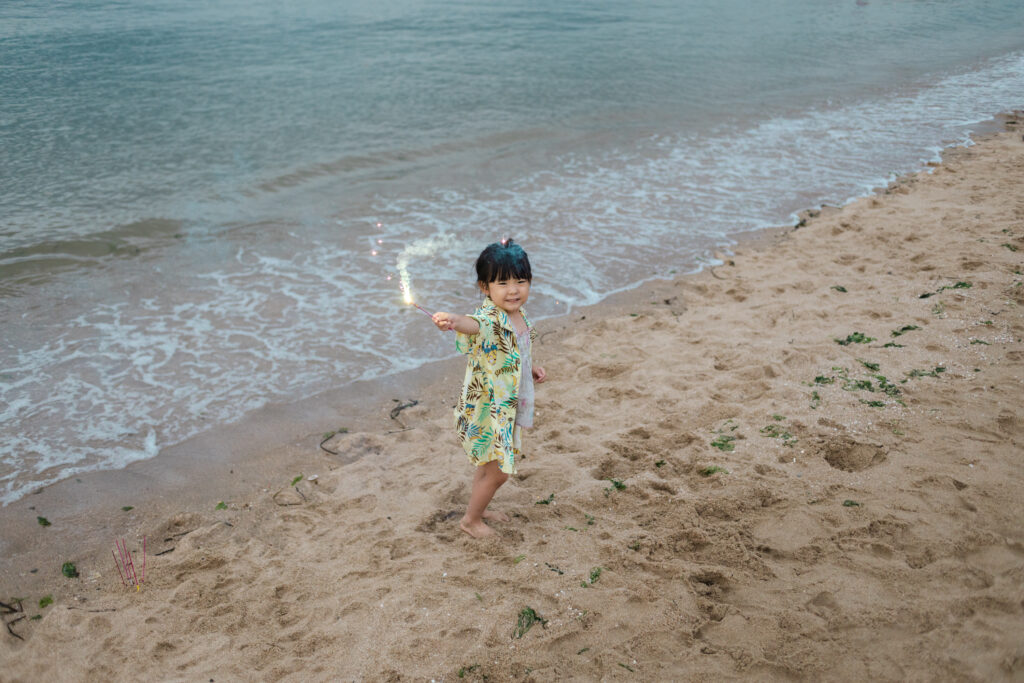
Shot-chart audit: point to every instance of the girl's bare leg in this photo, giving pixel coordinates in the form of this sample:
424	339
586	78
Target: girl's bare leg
486	481
491	514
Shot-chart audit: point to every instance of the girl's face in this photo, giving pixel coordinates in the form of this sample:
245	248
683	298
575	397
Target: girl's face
508	295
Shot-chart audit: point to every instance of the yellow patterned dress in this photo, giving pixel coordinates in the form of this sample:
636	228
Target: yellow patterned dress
485	417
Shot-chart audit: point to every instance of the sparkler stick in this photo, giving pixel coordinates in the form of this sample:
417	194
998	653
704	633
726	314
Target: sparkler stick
423	309
124	563
120	551
123	582
131	563
123	560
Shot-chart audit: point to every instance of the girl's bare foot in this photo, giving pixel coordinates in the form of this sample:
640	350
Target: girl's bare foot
476	530
496	516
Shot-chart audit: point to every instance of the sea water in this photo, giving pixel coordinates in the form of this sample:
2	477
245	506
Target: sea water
203	206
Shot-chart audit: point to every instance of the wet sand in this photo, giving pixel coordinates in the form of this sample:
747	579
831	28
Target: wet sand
717	488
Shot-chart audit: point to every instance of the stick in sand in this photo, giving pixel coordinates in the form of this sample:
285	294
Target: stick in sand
129	569
120	551
131	563
123	582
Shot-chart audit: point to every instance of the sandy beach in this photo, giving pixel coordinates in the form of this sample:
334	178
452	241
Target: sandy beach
803	464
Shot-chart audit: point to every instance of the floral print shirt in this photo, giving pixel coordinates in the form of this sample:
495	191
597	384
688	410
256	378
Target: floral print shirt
485	415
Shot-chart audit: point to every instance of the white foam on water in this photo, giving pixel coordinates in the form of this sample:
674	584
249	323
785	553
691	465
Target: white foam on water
175	347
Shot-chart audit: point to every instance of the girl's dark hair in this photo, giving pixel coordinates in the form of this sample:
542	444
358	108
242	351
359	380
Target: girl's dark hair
504	260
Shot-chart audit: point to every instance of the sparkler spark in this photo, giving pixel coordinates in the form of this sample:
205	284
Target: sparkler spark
407	295
422	248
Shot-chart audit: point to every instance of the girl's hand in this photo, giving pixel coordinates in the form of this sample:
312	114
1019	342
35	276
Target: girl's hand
444	321
539	375
454	321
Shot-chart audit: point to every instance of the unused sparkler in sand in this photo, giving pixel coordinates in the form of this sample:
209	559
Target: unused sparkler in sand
126	565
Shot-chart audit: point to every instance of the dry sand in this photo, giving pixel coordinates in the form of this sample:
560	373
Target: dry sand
860	528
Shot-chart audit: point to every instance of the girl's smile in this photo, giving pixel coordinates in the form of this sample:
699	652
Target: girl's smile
508	295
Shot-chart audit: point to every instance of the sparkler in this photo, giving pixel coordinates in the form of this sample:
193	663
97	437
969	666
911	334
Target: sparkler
420	249
129	577
403	273
407	295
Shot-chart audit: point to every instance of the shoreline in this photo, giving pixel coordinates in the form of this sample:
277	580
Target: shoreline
743	237
756	539
361	402
250	452
253	454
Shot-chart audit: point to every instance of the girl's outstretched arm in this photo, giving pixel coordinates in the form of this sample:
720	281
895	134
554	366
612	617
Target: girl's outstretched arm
454	321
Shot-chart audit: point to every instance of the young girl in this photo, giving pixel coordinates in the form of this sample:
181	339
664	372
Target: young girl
497	394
